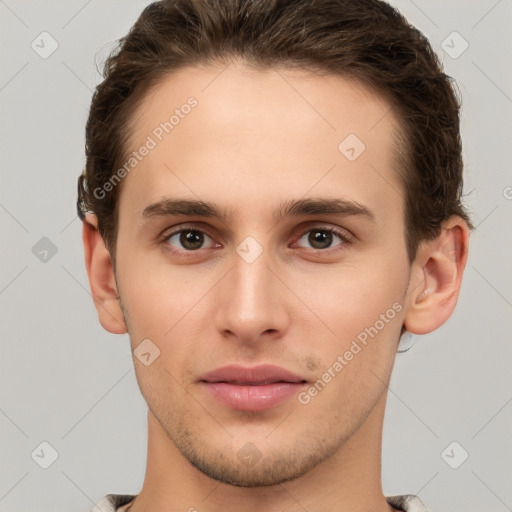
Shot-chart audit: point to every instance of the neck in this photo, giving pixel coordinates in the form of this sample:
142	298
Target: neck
349	480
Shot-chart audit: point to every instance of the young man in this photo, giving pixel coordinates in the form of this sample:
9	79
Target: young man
271	200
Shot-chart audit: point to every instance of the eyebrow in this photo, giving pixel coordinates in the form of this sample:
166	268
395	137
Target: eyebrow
291	208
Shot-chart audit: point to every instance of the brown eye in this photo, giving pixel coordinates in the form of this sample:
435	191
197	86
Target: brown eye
322	238
188	239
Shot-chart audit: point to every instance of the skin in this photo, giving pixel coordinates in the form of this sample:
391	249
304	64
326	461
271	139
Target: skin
258	138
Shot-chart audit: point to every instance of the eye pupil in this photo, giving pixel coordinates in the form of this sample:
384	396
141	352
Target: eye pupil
324	238
191	239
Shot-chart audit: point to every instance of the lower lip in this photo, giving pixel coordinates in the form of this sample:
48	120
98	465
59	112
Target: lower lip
253	398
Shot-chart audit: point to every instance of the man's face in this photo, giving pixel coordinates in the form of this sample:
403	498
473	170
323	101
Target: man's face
301	292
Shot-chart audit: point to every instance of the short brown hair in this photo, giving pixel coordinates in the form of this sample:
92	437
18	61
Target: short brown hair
367	40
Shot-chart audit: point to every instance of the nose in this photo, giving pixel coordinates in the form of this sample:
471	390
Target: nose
252	301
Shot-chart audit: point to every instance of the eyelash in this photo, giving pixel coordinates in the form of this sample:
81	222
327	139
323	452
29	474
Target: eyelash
345	239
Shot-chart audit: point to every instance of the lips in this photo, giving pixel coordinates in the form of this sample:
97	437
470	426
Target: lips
252	376
251	388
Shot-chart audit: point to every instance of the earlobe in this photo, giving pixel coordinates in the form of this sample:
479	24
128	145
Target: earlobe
101	278
436	277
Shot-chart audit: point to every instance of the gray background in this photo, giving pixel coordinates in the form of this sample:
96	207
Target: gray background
67	382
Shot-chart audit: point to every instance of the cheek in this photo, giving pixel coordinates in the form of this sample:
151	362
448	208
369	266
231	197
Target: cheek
155	294
357	362
365	311
167	306
349	300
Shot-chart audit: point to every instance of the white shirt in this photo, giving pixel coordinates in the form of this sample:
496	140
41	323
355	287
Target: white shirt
120	502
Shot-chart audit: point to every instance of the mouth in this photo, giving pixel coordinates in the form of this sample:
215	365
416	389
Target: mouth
255	383
252	388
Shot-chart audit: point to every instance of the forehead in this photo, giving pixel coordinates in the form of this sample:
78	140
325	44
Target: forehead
261	134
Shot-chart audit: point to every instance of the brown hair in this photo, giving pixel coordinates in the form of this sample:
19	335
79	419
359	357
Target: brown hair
367	40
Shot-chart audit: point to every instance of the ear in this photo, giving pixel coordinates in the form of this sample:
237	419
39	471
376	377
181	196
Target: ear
101	278
436	277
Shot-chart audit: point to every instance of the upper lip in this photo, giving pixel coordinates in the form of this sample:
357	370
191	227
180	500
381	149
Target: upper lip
255	375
